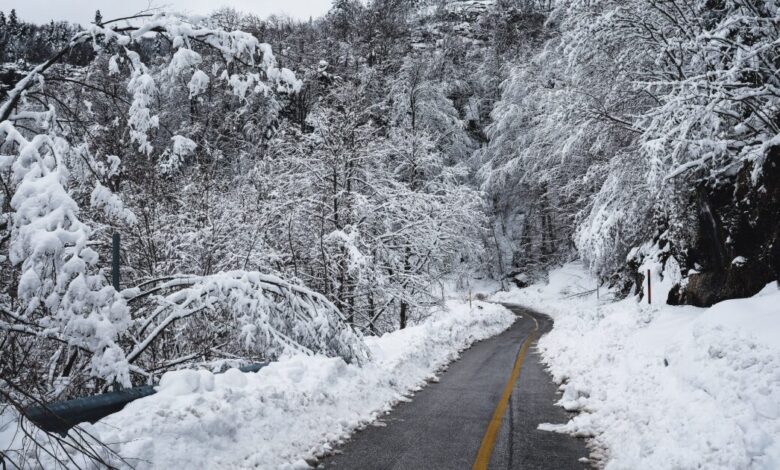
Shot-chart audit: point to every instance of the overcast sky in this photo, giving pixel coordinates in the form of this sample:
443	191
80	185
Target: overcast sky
83	11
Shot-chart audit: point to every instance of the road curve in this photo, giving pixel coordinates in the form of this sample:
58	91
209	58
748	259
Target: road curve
445	424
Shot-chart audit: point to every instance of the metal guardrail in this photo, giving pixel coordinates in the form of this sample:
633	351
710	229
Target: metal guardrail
581	294
61	416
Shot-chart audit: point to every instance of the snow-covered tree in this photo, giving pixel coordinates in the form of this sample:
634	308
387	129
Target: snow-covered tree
391	217
127	127
623	114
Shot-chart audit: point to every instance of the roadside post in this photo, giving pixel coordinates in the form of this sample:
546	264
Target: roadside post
115	260
649	289
468	283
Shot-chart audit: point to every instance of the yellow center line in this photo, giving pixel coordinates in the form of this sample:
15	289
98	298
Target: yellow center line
489	440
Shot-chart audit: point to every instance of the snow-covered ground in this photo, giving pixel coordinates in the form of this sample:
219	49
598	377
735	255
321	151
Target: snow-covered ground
292	410
662	387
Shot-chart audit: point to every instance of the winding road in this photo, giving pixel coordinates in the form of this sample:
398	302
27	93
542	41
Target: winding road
483	413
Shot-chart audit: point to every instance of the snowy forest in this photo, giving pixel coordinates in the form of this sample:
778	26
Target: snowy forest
282	186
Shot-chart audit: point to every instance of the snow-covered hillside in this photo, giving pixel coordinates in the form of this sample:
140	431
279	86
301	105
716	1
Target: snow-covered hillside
662	387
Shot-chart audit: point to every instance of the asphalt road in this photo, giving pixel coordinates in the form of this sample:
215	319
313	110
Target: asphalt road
445	424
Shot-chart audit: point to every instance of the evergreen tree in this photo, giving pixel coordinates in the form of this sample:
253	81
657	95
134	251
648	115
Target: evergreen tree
13	21
3	38
98	17
343	17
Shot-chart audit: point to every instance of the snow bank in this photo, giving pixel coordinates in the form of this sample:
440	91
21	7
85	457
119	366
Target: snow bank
661	386
294	409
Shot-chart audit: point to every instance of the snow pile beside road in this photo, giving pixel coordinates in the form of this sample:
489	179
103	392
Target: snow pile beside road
661	386
294	409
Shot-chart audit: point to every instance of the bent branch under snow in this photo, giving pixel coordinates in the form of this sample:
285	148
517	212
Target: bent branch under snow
271	317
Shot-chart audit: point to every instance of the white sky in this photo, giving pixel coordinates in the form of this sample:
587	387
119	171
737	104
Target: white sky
83	11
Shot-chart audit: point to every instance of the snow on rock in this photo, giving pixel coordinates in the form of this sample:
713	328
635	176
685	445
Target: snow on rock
661	386
292	410
182	146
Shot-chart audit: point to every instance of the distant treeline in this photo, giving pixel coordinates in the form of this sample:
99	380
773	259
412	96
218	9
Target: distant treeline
34	43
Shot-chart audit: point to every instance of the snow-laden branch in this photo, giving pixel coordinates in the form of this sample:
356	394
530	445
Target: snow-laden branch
183	32
270	316
60	286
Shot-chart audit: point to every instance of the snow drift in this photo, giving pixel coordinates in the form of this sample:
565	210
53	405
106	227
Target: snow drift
660	386
289	412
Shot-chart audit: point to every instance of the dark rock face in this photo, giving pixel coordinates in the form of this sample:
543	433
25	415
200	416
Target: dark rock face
519	279
705	289
737	251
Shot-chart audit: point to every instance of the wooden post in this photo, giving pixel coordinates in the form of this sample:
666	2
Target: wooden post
649	289
469	298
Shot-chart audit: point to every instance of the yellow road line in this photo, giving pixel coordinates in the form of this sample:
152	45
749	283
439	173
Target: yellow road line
489	440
